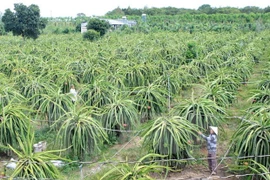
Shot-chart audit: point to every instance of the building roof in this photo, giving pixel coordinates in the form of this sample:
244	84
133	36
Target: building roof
115	22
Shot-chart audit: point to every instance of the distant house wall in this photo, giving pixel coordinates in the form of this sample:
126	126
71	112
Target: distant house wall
83	27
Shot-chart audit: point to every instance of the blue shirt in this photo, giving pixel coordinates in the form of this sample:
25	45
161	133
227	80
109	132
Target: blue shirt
211	142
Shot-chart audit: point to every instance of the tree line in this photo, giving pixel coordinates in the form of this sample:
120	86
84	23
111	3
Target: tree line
203	9
25	21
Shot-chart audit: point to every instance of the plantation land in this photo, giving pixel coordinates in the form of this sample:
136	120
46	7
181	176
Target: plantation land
128	82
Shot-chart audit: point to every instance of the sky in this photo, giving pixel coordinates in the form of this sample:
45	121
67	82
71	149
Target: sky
70	8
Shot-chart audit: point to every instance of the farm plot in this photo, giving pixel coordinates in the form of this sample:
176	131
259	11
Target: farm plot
164	86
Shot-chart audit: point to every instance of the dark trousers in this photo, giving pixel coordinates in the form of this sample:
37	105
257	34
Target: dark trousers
212	161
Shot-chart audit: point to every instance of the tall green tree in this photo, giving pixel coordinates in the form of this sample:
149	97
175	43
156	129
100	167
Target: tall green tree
267	9
205	8
98	25
8	19
25	21
116	12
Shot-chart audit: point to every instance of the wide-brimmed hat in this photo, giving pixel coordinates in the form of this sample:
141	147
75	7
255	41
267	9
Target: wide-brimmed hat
215	129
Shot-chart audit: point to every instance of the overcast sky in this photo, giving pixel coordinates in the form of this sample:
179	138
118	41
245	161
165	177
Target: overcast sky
70	8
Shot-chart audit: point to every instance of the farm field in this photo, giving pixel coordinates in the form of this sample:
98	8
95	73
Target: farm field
142	98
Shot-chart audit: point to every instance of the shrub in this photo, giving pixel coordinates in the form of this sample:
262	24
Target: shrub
170	136
252	139
34	165
91	35
80	132
78	27
66	31
2	29
98	25
139	170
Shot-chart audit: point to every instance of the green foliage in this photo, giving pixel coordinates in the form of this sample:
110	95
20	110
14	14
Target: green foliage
252	139
81	15
34	165
170	136
228	81
53	104
203	66
43	23
218	94
261	96
264	83
25	21
126	29
251	9
2	29
78	27
260	169
45	134
98	25
172	83
119	113
258	110
136	64
267	9
135	75
170	19
98	93
9	94
80	132
226	10
8	19
139	170
91	35
185	75
66	31
205	8
251	168
242	70
200	111
192	52
33	89
151	100
13	121
116	12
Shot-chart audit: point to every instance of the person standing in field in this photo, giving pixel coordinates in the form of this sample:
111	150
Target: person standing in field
212	148
73	93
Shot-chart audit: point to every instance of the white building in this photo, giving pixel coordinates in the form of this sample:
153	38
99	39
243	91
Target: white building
83	27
